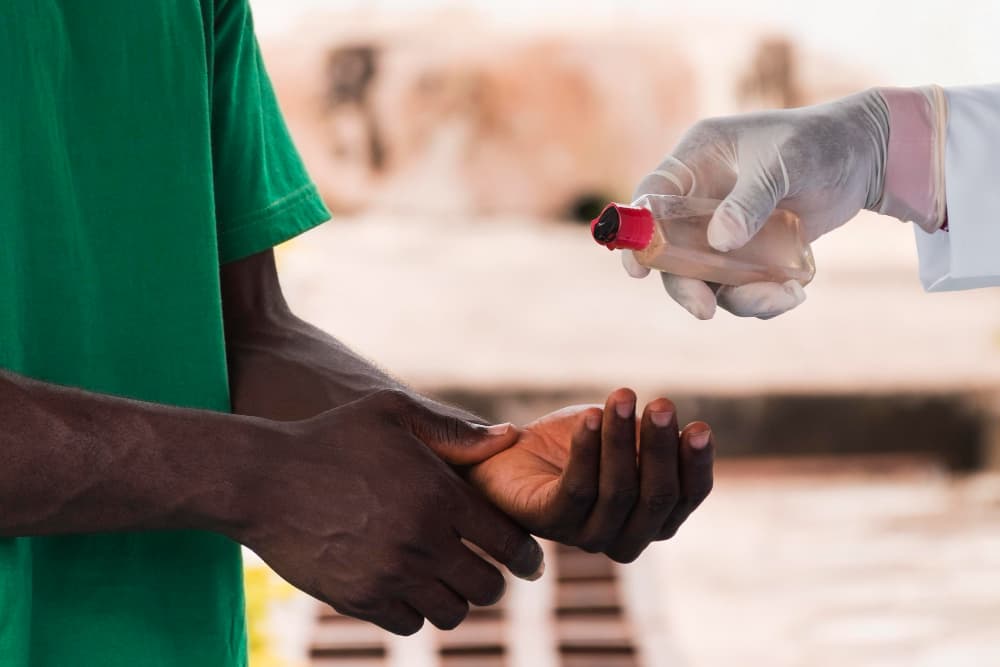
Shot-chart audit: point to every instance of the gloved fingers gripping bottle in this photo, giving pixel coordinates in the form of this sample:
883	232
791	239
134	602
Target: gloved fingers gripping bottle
823	163
667	233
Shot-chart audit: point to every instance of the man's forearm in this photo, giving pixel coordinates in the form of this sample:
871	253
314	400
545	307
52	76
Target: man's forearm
73	461
292	370
284	368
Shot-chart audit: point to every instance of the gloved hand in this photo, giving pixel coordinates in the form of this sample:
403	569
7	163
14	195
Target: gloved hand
880	150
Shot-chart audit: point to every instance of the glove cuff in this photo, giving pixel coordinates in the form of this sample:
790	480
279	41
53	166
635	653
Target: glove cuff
913	188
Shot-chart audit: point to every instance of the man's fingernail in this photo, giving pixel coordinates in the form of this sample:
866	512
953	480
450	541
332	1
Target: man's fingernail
661	419
537	574
593	422
498	429
625	409
700	439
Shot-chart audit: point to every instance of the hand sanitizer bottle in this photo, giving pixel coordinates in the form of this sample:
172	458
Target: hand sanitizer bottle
668	233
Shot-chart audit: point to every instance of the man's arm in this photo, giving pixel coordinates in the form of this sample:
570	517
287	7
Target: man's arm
75	462
357	507
284	368
568	477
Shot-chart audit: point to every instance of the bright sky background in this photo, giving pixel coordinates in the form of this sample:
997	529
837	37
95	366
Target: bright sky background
911	42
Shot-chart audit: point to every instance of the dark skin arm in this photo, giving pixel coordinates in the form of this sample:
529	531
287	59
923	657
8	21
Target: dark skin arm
310	496
283	368
582	485
80	462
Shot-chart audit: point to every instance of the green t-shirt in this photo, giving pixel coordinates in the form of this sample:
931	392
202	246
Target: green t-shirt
140	147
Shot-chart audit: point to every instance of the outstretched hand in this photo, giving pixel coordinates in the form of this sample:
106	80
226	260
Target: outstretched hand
595	479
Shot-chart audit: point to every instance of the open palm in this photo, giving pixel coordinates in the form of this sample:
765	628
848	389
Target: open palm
576	476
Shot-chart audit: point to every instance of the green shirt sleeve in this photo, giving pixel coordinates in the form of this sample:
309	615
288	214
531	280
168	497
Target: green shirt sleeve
263	195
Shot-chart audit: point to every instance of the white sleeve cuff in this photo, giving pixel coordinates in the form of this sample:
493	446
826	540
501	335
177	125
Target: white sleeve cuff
968	254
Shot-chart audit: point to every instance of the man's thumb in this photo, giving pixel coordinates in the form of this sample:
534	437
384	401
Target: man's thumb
741	215
459	442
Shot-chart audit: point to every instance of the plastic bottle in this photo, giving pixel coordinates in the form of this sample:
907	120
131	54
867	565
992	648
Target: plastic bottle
668	233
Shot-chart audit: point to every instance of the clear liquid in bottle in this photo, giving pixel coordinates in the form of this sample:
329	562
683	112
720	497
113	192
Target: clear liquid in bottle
669	233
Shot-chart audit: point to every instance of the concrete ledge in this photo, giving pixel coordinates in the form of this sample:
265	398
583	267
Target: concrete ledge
952	428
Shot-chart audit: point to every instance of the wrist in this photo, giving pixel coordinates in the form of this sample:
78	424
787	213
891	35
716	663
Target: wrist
223	490
913	188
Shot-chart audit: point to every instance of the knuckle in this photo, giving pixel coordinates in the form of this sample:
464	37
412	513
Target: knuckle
594	545
668	531
452	430
700	491
598	540
354	603
412	547
509	546
660	502
741	204
452	497
351	606
622	497
363	599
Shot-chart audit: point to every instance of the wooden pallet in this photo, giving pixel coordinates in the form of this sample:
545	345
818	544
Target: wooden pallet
589	622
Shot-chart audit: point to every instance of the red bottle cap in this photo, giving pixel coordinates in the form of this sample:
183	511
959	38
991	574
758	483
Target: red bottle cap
620	226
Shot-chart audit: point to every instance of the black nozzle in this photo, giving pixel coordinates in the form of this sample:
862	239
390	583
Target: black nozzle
605	230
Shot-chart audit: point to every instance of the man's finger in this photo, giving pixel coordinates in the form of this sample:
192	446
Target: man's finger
578	485
440	605
454	440
697	455
619	483
461	443
659	480
397	617
503	540
469	575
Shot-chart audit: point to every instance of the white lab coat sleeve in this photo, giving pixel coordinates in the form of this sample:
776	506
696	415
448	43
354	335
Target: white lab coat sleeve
968	254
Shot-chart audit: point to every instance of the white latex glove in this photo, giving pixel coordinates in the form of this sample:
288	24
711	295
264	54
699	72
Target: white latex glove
824	163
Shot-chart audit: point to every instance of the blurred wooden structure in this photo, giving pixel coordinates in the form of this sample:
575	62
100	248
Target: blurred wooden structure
589	623
446	114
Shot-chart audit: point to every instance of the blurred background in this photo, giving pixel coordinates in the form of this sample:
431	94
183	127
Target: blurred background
462	147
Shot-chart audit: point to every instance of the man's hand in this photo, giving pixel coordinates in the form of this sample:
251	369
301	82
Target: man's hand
575	475
360	508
